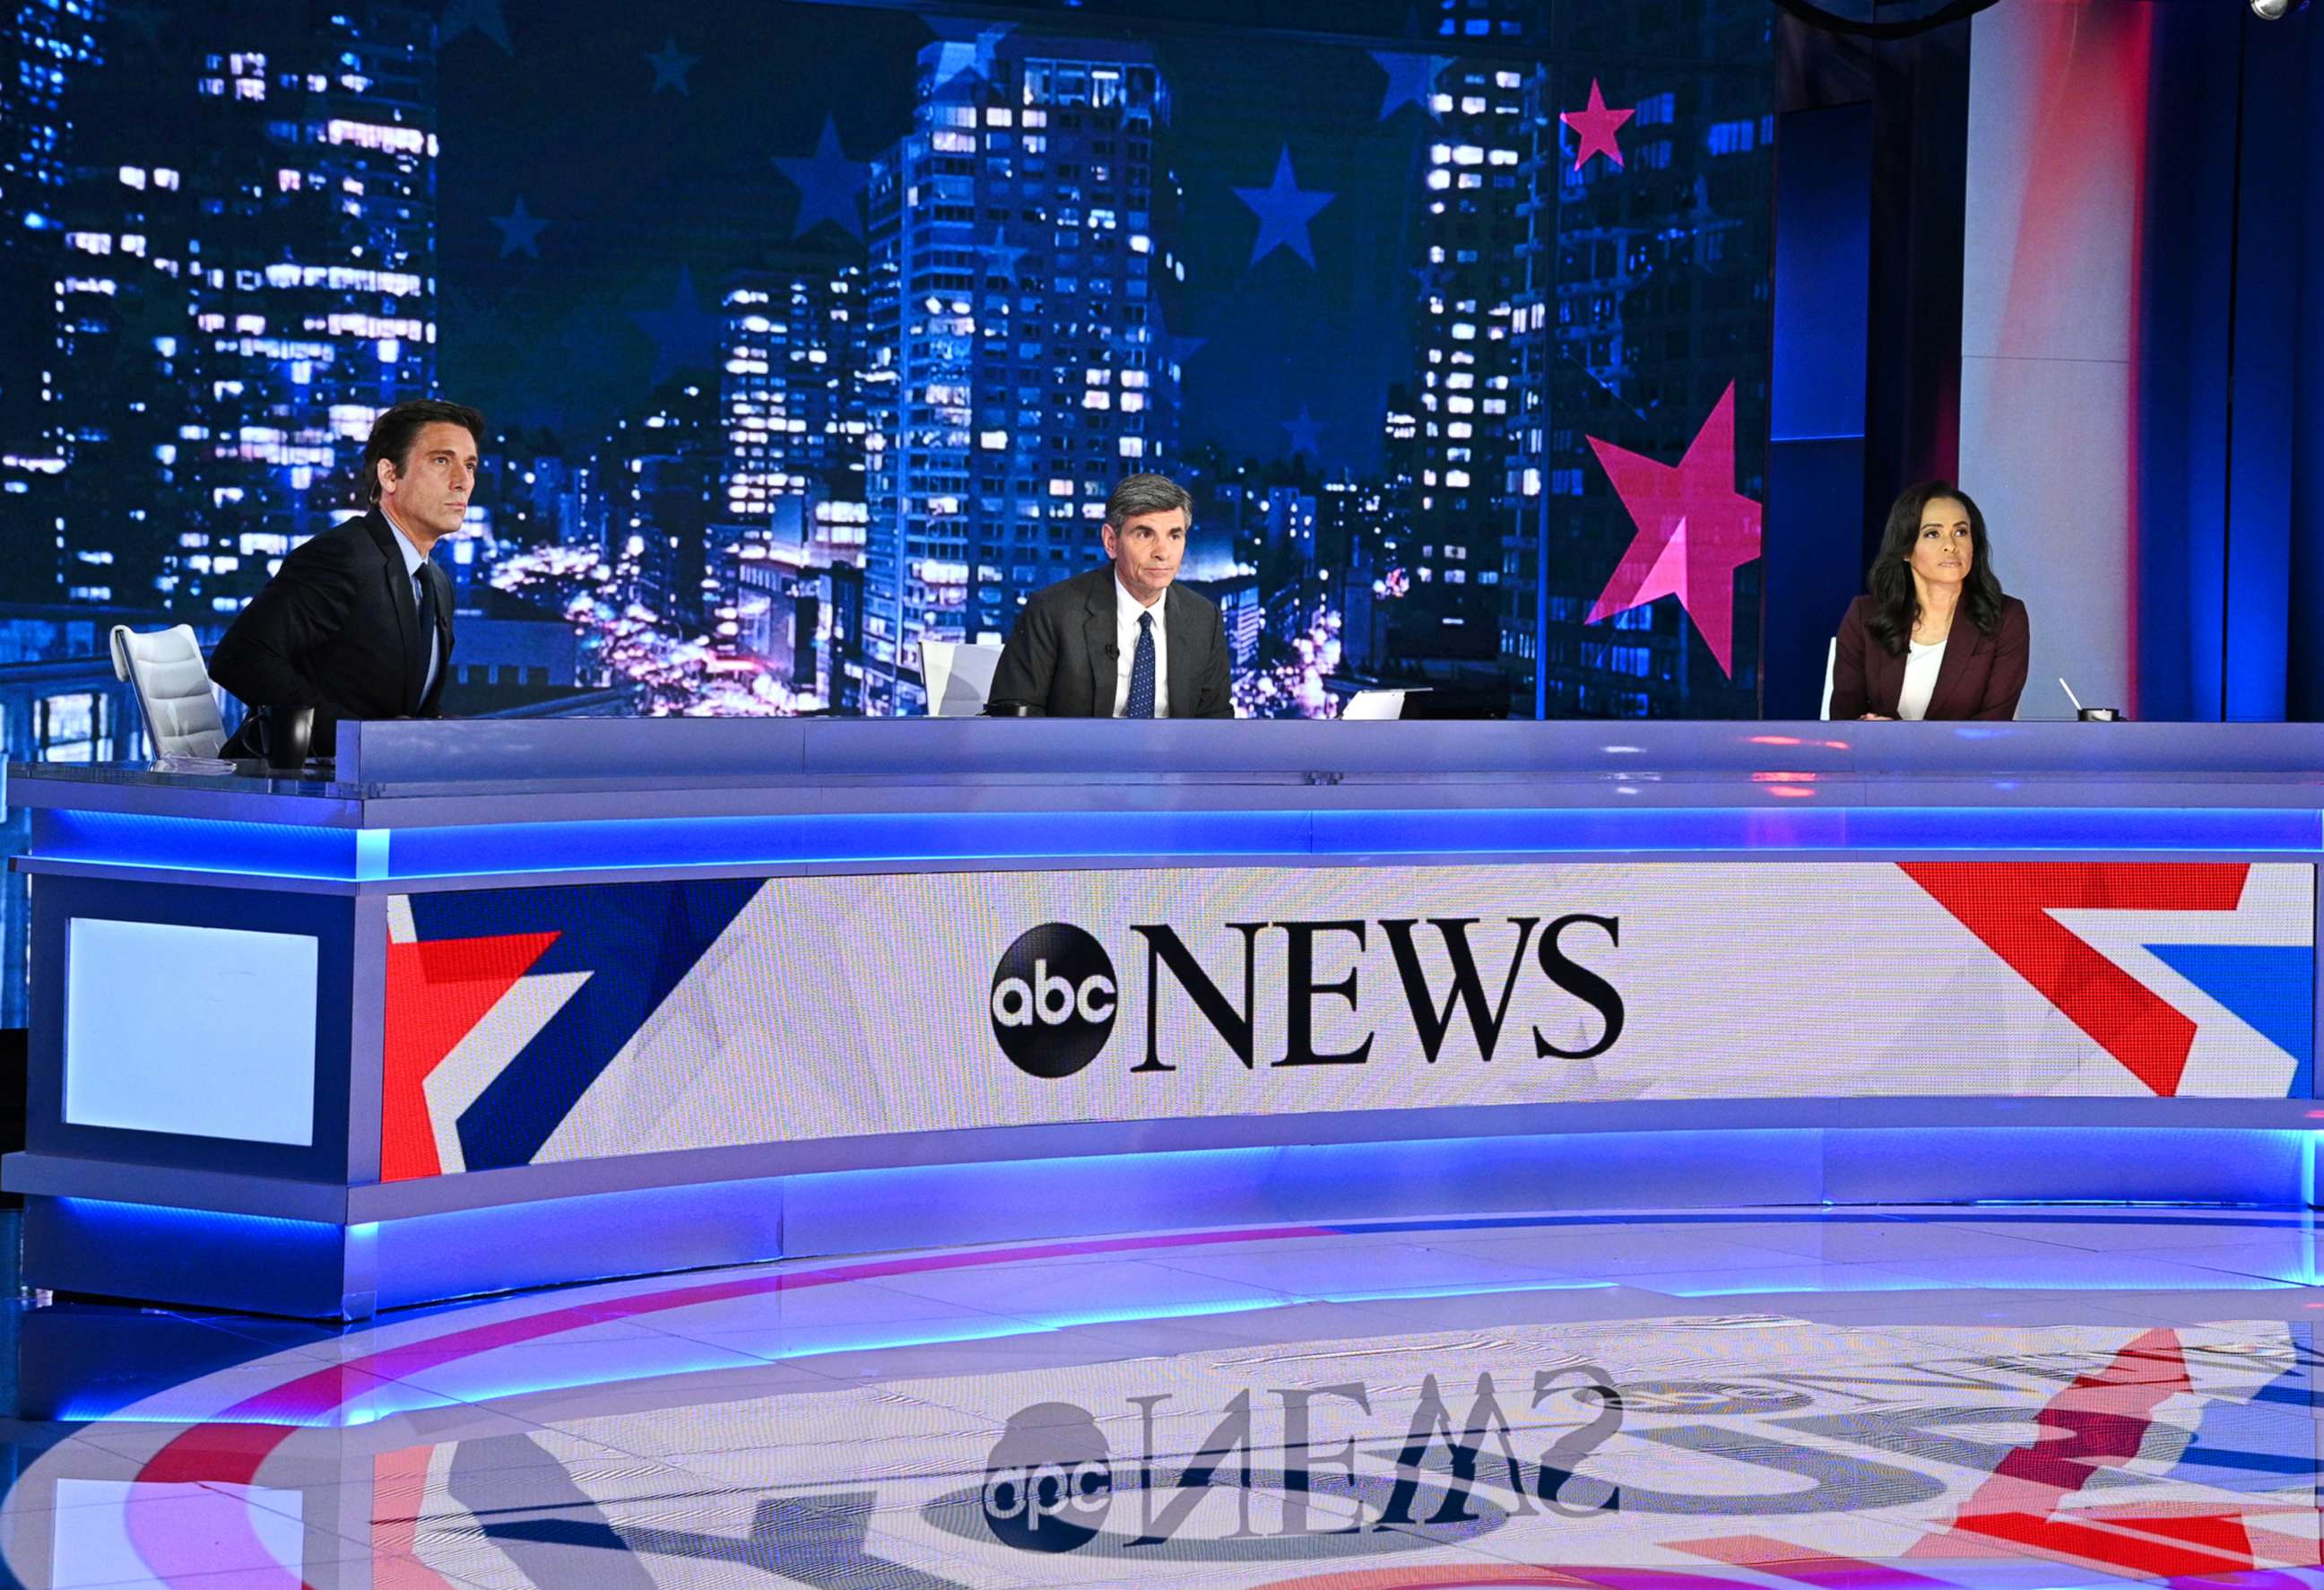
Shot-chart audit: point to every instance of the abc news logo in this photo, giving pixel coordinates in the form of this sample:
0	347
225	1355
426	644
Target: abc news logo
1056	994
1053	1000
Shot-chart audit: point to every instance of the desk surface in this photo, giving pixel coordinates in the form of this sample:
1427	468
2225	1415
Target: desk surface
604	995
428	774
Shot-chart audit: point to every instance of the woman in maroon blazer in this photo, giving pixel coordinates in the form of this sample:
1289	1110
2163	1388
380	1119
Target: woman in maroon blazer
1936	638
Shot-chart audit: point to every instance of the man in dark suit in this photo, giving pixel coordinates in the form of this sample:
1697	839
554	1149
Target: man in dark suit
1122	641
358	622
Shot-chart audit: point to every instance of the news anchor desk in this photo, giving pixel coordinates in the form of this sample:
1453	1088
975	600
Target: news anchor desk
502	1004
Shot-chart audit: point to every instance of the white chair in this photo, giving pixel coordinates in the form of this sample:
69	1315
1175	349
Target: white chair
1373	705
958	677
1831	662
173	690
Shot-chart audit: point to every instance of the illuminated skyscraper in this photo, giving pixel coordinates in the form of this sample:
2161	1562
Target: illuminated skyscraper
661	471
1471	218
1023	269
45	46
248	278
795	400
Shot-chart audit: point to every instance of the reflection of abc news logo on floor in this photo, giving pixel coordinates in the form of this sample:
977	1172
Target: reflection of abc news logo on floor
1051	1484
1055	992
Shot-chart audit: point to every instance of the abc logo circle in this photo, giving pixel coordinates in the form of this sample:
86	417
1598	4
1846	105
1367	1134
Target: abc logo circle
1054	998
1049	1482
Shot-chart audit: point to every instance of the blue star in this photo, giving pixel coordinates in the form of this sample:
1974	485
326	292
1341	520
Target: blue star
1306	435
829	185
964	47
1283	210
1411	81
484	15
520	230
685	335
670	68
1002	259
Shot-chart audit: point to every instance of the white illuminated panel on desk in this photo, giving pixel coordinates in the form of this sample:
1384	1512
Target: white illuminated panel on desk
207	1032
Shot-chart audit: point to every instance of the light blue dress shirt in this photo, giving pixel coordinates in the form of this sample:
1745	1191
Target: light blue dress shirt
412	560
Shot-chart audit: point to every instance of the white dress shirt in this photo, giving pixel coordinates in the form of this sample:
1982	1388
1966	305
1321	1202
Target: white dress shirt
1125	644
413	558
1921	666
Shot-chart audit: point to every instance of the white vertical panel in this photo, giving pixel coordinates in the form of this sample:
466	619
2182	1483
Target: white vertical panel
2049	431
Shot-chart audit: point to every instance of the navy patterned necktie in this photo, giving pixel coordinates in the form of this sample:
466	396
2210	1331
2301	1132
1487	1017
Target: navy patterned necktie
1142	672
424	599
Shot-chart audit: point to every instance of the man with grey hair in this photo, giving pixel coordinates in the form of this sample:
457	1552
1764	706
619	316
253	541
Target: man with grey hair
1119	642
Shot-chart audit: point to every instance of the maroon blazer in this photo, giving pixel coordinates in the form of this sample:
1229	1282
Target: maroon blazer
1982	674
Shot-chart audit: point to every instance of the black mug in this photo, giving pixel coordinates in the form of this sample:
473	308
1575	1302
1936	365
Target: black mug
2099	713
284	736
1009	709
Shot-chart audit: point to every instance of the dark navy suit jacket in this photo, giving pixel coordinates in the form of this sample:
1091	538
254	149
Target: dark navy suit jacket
1061	660
336	629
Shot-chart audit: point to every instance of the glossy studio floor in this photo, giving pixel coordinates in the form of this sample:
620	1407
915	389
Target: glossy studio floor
1894	1400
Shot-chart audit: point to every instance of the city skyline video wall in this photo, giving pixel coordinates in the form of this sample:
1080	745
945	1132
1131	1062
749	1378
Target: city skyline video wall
806	331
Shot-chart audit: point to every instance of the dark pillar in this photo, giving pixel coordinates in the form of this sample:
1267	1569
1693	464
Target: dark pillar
1870	193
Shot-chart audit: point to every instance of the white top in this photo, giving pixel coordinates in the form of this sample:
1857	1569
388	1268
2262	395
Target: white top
1125	645
412	560
1920	680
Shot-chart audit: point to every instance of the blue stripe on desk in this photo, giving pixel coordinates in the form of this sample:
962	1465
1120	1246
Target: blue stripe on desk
279	850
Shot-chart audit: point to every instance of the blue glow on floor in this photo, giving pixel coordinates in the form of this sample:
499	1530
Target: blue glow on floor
2101	1273
2217	1282
386	1403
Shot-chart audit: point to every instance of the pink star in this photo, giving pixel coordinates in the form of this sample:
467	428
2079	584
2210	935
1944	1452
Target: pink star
1694	530
1596	125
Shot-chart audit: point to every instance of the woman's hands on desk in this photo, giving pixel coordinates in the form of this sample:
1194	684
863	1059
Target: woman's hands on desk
1874	717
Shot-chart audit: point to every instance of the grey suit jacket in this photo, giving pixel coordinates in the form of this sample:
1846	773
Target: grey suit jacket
1062	659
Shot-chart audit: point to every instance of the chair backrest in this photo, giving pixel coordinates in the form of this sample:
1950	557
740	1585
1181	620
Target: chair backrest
1830	662
173	690
958	677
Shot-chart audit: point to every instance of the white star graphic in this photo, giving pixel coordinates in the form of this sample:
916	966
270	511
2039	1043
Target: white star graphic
2228	1058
